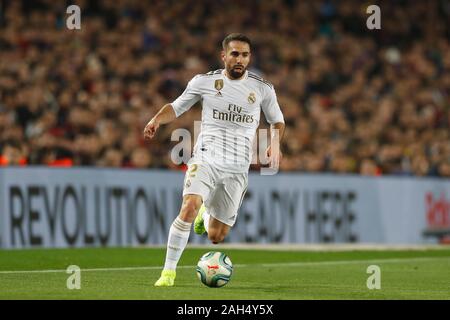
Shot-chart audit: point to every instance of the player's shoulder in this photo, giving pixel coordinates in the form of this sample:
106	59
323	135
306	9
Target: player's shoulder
204	78
254	77
211	73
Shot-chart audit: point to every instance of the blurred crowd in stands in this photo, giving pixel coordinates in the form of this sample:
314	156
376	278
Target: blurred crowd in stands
371	102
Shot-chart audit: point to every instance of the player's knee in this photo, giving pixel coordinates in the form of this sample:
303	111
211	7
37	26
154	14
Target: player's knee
190	207
216	237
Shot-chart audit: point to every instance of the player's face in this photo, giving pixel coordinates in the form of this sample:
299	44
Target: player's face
236	58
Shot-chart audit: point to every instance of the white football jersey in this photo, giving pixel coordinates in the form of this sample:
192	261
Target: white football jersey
230	116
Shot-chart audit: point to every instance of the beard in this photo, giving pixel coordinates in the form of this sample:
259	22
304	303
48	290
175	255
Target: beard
236	73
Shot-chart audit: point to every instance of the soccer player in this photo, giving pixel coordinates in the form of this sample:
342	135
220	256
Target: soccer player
217	175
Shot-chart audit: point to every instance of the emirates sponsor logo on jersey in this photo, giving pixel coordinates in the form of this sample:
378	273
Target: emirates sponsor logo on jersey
232	117
233	114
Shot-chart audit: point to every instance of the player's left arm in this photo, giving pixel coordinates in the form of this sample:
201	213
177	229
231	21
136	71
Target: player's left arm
275	118
274	150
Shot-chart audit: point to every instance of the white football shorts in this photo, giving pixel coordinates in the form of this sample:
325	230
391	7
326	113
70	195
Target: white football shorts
222	192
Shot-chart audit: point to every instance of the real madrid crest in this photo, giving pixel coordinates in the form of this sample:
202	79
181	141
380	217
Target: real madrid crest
251	98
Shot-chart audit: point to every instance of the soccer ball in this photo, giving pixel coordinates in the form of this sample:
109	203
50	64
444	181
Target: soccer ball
214	269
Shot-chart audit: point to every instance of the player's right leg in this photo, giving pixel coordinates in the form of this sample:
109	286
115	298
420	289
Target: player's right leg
178	238
198	183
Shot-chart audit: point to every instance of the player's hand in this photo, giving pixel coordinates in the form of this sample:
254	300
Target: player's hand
274	157
150	129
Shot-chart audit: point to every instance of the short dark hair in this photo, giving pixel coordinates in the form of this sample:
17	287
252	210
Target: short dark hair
235	37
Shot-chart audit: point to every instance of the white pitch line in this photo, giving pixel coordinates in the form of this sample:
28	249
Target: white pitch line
285	264
340	262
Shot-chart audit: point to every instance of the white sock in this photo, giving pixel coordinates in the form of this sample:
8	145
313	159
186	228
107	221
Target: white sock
178	238
206	217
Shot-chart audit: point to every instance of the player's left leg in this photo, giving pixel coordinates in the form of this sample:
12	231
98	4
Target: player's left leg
199	222
217	230
220	213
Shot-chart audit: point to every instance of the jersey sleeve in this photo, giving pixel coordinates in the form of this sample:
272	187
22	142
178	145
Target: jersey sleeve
270	107
188	98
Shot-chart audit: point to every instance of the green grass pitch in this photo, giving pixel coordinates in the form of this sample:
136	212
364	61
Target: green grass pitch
129	273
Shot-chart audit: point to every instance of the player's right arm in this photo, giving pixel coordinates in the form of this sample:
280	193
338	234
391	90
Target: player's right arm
173	110
165	115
